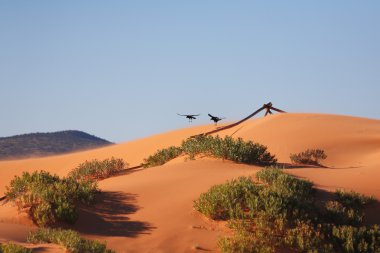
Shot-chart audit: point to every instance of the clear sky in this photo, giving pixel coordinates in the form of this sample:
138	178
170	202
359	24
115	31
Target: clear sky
121	70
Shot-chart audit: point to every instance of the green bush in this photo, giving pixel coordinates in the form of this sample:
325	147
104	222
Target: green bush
162	156
284	194
269	174
13	248
241	198
353	199
227	148
48	198
229	200
342	215
306	237
244	243
310	156
347	209
69	239
97	170
289	187
281	213
357	240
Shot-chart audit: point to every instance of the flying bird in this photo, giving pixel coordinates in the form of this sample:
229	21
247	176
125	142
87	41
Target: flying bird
189	116
215	118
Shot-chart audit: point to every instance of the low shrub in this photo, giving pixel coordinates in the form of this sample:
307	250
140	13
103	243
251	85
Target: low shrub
357	240
69	239
227	148
13	248
162	156
306	237
97	170
347	209
310	156
244	242
353	199
269	174
342	215
49	199
281	213
242	197
229	200
236	150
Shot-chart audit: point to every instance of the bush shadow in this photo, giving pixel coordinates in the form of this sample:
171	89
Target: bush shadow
370	211
300	166
108	216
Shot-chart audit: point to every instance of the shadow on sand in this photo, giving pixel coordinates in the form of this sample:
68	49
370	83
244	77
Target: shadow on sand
370	211
109	216
300	166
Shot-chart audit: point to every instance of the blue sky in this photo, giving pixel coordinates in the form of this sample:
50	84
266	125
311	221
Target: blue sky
122	69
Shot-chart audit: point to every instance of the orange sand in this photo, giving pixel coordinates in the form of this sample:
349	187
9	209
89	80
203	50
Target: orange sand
150	210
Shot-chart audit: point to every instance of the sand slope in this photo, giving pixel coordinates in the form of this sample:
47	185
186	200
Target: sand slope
151	210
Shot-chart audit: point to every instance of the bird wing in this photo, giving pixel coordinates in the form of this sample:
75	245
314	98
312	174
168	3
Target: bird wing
186	115
211	115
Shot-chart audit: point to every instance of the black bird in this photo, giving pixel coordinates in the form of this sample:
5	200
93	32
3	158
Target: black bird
189	116
215	119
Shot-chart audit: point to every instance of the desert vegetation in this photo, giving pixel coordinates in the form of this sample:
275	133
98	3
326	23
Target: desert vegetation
227	148
98	170
162	156
68	239
49	199
309	156
279	211
13	248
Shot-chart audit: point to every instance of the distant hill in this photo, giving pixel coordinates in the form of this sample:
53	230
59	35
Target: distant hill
45	144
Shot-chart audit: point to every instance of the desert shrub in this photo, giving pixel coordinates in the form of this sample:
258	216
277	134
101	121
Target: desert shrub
228	200
69	239
236	150
357	240
281	213
162	156
48	198
339	214
353	199
260	234
290	187
97	170
306	237
227	148
244	243
243	198
269	174
310	156
13	248
284	193
347	209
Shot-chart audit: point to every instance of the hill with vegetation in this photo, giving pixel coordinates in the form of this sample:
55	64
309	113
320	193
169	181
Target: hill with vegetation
45	144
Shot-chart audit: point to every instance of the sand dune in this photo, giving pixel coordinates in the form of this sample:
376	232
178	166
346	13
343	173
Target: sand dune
150	210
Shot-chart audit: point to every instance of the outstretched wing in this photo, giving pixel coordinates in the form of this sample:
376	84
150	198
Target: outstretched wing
211	115
188	115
